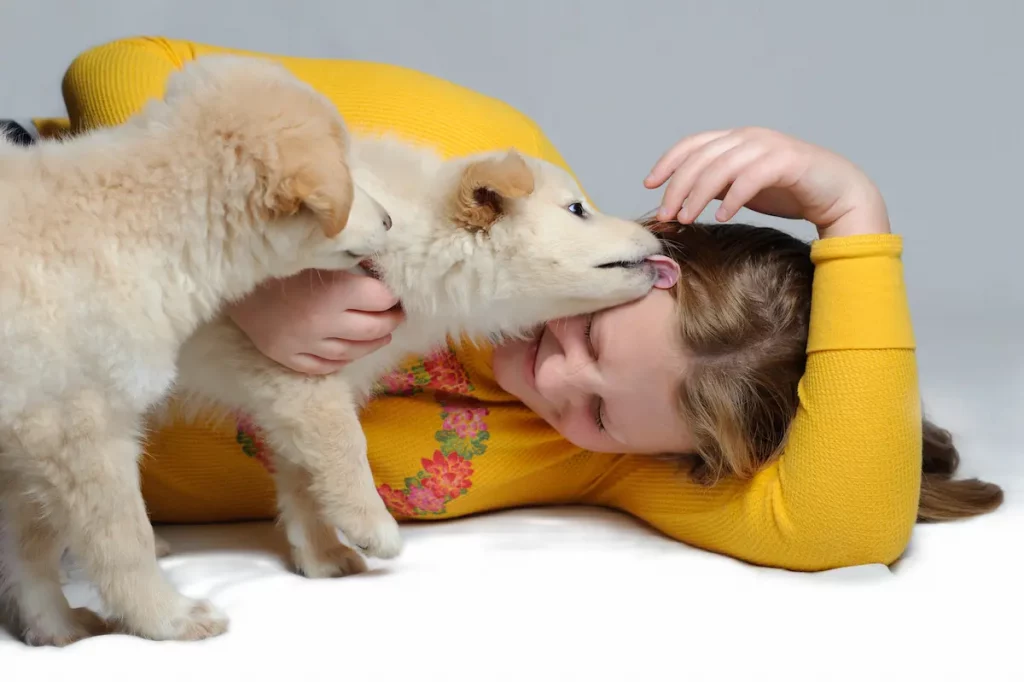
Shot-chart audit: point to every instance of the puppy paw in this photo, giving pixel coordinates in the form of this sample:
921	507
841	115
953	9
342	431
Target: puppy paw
375	534
333	561
66	629
203	621
191	620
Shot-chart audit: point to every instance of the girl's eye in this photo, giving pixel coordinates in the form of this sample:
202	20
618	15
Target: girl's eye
598	404
598	421
577	209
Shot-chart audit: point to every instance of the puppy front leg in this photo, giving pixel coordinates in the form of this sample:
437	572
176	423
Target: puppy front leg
110	535
317	429
310	422
316	550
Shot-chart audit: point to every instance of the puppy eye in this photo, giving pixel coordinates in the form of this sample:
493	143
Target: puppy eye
577	209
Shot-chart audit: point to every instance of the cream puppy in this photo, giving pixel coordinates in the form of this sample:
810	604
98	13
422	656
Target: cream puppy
116	246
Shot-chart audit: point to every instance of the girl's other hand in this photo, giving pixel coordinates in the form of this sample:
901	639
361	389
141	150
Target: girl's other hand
770	173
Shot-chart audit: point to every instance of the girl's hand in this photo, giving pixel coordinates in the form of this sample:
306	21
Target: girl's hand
318	322
770	173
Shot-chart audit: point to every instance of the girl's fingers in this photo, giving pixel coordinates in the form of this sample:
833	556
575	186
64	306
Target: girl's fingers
306	363
767	171
355	325
675	156
360	292
682	182
717	176
344	350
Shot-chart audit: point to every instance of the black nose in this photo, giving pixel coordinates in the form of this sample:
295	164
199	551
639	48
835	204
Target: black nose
387	221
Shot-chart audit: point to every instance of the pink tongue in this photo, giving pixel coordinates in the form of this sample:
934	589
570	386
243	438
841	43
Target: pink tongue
668	271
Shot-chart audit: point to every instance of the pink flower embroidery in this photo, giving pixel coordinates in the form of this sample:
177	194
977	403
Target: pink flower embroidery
446	373
400	382
447	476
466	422
425	499
397	501
250	436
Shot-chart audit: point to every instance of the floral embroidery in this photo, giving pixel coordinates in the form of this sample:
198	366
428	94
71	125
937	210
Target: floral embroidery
250	437
396	500
447	474
425	500
463	430
446	373
439	370
404	381
466	422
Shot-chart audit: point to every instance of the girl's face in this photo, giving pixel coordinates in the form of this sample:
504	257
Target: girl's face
607	382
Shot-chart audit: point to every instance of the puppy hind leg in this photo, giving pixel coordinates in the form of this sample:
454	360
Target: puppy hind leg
32	575
110	535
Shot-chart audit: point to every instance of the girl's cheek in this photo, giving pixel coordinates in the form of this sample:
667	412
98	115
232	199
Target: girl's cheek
578	430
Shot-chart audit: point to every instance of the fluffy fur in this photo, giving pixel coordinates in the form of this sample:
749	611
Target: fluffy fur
116	247
483	246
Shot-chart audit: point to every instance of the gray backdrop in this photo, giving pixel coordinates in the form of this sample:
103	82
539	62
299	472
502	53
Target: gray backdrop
926	96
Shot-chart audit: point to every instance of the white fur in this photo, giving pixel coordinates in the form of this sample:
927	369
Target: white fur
116	246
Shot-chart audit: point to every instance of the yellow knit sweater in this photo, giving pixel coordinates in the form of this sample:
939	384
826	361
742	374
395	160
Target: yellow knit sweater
446	441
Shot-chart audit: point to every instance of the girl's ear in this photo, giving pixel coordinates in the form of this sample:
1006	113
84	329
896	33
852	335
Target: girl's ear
668	271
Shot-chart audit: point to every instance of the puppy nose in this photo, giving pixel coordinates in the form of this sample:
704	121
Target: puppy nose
387	221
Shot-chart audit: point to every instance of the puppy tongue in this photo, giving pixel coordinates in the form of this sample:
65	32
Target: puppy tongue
667	269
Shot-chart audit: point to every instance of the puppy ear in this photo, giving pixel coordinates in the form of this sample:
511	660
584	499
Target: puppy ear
485	188
327	192
328	198
315	179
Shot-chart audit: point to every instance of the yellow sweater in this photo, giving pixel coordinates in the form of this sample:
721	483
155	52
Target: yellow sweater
446	441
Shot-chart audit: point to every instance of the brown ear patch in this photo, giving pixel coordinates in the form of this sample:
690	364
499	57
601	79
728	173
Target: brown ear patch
317	180
486	186
330	199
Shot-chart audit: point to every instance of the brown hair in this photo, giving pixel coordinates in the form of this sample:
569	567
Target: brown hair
744	299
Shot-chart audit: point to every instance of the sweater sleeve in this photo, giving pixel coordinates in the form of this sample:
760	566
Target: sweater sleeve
845	489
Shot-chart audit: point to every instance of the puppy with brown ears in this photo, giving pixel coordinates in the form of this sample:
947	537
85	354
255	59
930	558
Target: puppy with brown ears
116	246
484	246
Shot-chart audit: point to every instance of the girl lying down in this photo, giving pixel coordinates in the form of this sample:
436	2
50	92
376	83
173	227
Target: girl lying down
765	407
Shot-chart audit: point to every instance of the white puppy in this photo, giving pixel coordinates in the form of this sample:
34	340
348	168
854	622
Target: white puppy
116	246
492	244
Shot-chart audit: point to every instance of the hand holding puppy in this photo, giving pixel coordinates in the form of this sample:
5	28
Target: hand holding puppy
317	322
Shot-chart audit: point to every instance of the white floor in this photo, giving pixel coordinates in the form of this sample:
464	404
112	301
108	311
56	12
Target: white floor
567	594
582	594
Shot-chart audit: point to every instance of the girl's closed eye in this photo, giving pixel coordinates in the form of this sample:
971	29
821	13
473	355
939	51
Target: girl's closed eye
598	403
